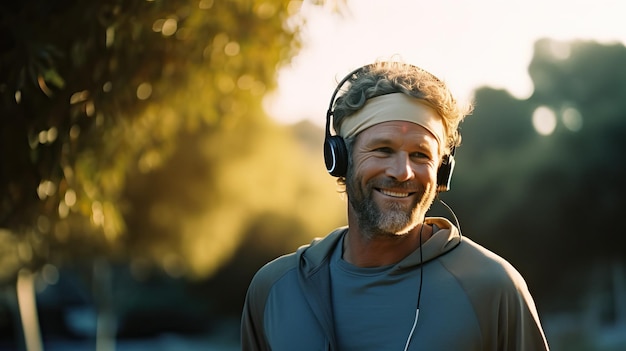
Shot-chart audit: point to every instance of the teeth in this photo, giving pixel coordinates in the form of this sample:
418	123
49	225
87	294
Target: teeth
393	193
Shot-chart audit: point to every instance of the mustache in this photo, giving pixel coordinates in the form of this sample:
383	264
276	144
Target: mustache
391	183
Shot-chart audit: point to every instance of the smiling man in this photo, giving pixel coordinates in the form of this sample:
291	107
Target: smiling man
393	279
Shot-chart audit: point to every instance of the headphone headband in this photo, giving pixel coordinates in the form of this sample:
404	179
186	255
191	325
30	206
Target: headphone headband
343	81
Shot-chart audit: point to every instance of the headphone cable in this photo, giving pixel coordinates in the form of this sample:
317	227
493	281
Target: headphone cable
419	292
456	220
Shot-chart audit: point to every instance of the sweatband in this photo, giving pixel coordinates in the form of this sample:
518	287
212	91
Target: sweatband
393	107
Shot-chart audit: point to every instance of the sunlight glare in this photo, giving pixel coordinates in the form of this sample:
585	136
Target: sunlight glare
232	48
70	197
170	26
144	90
50	274
544	120
572	119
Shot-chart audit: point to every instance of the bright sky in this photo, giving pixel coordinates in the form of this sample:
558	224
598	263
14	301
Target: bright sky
468	44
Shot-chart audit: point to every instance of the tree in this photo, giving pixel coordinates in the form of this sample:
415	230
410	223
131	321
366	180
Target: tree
94	94
86	106
546	199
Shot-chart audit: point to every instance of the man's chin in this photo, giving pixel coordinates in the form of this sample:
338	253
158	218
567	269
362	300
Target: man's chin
396	225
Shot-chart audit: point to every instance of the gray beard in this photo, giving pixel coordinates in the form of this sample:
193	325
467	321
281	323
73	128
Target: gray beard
372	219
395	220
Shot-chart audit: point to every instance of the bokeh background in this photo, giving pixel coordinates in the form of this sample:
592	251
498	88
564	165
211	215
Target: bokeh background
146	172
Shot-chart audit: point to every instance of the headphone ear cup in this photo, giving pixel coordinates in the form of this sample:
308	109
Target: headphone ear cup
336	156
444	173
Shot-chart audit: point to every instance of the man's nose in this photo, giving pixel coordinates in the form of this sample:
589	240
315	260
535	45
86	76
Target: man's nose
400	168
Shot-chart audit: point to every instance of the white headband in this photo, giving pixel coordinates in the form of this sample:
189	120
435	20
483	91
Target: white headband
394	107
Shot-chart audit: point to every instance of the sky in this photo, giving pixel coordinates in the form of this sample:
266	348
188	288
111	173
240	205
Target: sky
467	44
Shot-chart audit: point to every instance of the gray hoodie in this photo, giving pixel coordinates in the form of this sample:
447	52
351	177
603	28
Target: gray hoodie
472	299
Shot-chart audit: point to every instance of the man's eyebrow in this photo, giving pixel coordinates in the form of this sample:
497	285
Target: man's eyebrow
380	140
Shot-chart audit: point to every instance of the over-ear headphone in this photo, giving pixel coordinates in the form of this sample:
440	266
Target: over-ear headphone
336	153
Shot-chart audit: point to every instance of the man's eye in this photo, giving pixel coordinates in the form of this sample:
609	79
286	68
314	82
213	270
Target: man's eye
384	150
421	155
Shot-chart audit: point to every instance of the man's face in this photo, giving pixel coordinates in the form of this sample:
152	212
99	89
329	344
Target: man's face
391	182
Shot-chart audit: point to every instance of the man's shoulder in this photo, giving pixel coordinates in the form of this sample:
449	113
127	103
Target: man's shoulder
306	257
475	263
272	271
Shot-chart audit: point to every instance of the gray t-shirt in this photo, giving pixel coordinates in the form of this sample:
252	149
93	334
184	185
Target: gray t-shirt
374	308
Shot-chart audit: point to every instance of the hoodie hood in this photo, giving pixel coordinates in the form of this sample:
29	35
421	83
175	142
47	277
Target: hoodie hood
446	238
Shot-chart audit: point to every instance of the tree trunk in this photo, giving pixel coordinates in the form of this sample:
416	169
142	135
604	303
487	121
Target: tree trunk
28	310
103	296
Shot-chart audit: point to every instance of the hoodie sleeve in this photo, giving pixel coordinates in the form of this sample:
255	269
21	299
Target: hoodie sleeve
519	327
252	334
502	303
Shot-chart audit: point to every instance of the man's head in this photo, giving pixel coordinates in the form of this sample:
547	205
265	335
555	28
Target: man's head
397	122
388	77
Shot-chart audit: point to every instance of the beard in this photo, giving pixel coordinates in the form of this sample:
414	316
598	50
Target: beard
395	218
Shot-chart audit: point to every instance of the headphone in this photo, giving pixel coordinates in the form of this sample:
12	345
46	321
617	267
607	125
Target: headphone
336	154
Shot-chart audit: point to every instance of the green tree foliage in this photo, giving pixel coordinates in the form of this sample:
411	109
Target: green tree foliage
135	128
314	209
547	202
192	215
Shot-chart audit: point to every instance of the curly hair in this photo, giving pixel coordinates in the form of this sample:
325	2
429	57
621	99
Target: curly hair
386	77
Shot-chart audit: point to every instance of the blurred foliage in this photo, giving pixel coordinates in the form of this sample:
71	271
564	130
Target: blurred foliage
547	202
135	129
207	212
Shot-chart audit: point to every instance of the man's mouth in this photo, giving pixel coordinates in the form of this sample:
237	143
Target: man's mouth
395	193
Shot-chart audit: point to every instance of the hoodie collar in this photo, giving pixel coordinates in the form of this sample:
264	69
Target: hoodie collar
446	238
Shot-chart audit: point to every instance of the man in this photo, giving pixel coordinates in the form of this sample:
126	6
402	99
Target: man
393	279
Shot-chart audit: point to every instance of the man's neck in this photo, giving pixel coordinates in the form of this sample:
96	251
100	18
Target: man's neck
364	250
